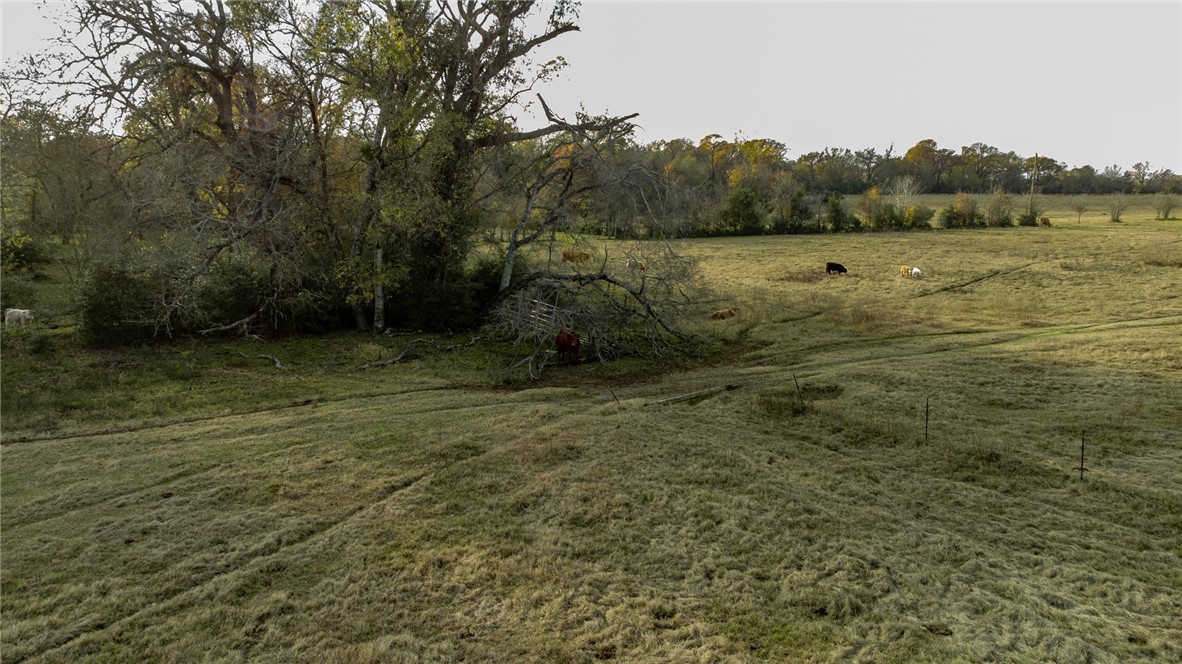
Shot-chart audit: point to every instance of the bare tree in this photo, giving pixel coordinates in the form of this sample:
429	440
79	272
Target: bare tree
1164	205
904	192
1116	206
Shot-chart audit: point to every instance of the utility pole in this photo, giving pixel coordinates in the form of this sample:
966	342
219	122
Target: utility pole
1033	179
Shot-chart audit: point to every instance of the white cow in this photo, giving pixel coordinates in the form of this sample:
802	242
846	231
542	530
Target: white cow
21	316
915	273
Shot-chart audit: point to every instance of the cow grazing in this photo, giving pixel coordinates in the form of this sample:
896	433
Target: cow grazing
723	314
916	273
576	257
1044	221
905	271
568	346
22	317
830	268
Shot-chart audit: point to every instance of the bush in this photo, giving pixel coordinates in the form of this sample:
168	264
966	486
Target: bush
117	306
918	217
230	291
1028	218
888	217
20	253
1116	206
962	213
1000	212
18	292
485	277
457	304
838	218
1164	206
741	215
795	219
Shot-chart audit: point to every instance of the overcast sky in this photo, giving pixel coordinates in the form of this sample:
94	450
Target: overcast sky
1080	82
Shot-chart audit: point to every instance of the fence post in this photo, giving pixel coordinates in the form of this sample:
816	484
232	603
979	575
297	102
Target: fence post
926	416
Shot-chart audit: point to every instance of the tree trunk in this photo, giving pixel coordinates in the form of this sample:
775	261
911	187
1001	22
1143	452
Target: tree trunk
510	257
379	293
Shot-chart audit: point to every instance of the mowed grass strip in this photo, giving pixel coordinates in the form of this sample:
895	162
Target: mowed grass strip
801	517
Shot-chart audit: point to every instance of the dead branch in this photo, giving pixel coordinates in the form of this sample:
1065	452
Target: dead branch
426	342
637	294
695	395
230	326
278	364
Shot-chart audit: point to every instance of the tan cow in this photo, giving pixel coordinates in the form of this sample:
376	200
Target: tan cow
576	257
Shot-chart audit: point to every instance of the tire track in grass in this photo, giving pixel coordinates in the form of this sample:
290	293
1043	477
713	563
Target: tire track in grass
1008	336
17	520
115	430
1011	509
271	543
769	376
988	275
210	468
253	564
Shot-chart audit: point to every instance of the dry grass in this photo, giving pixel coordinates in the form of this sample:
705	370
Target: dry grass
800	518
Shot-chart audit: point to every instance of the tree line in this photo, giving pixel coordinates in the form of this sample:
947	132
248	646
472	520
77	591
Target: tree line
215	166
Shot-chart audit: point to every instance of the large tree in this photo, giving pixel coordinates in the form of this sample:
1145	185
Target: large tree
443	81
347	132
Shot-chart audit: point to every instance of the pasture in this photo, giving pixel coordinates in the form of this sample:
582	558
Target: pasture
893	476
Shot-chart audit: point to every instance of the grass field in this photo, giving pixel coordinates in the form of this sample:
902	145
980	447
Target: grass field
894	478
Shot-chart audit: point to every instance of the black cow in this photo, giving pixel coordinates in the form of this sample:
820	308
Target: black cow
830	268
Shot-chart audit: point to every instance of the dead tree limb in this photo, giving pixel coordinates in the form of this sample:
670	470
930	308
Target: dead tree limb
278	364
426	342
230	326
695	395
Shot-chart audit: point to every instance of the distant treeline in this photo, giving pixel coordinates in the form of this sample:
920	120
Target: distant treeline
749	187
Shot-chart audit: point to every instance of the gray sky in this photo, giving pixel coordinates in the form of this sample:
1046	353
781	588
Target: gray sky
1080	82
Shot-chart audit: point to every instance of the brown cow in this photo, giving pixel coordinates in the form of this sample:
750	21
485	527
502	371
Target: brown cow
576	257
724	313
568	346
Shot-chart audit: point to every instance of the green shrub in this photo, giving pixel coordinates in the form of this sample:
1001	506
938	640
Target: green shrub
20	253
888	217
1000	211
231	291
741	215
117	306
484	277
18	292
962	213
1028	218
838	218
458	303
918	217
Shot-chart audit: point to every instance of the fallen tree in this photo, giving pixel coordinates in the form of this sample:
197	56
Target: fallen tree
616	311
